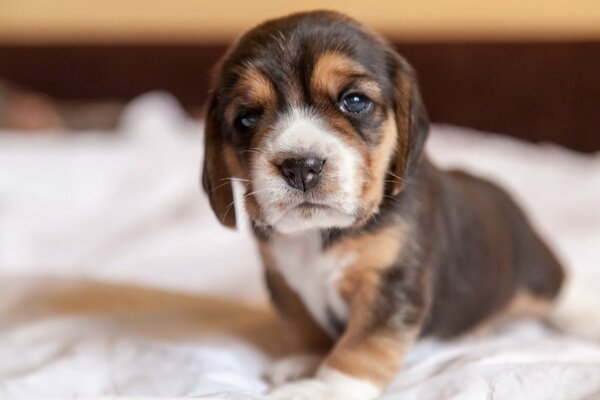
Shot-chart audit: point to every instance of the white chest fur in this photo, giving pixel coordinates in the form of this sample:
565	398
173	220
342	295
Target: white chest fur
313	274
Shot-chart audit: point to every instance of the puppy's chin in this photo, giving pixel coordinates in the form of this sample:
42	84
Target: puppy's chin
301	219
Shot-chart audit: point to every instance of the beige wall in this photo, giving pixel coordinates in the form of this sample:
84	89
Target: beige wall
81	21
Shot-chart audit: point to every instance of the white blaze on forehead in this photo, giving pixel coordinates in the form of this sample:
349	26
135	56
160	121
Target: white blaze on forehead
303	133
299	134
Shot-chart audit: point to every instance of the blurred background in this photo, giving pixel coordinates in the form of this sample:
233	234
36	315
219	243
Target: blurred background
529	69
116	278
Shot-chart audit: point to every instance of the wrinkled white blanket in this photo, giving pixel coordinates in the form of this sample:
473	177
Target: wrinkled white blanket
111	263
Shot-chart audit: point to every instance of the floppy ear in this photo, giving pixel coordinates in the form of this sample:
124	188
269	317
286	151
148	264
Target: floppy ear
215	173
412	122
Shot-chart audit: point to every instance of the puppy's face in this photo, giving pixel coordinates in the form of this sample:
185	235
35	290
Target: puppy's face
317	117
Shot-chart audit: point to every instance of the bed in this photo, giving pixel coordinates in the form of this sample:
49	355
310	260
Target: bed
117	281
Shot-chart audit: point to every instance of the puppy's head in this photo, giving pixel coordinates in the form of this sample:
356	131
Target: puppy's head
317	117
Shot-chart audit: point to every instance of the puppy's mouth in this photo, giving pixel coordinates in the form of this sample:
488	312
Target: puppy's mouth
310	215
310	206
310	210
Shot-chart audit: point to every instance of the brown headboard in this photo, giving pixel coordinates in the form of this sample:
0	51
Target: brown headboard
535	91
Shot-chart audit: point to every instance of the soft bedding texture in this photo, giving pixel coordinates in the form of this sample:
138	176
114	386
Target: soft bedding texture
116	279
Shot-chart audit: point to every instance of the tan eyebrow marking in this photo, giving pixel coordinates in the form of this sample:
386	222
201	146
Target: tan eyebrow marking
253	88
333	71
257	87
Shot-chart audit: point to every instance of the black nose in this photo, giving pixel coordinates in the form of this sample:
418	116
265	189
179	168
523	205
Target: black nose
302	173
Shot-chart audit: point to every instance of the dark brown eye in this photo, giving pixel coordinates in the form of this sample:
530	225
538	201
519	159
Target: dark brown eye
355	103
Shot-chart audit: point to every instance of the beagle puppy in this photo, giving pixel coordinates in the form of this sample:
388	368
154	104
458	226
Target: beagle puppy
367	245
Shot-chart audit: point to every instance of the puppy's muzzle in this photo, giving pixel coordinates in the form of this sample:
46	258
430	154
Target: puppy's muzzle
302	173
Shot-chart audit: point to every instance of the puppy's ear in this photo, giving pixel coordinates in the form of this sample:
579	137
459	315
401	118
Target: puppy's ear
215	173
412	122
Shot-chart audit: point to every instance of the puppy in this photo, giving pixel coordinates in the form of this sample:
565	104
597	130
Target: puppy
367	246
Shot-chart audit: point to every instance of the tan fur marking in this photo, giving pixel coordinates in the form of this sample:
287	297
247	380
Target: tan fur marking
303	334
525	303
378	163
332	72
374	251
359	285
376	358
258	87
254	89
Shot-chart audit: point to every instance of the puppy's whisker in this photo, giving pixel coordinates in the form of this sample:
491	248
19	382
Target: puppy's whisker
395	176
235	179
228	208
221	185
391	198
246	195
255	151
253	193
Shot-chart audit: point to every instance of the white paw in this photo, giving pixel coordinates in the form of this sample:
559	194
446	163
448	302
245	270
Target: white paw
577	309
293	368
328	385
306	389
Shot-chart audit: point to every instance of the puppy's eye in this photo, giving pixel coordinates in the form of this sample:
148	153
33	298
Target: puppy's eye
246	121
355	103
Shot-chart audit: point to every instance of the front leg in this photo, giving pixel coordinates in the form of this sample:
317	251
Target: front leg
307	343
357	369
367	356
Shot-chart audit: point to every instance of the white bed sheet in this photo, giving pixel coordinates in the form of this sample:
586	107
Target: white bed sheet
111	260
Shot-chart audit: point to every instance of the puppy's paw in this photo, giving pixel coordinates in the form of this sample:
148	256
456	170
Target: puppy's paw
306	389
328	385
576	309
293	368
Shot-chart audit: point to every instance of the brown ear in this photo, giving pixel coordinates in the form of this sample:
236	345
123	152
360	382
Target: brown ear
215	173
412	122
